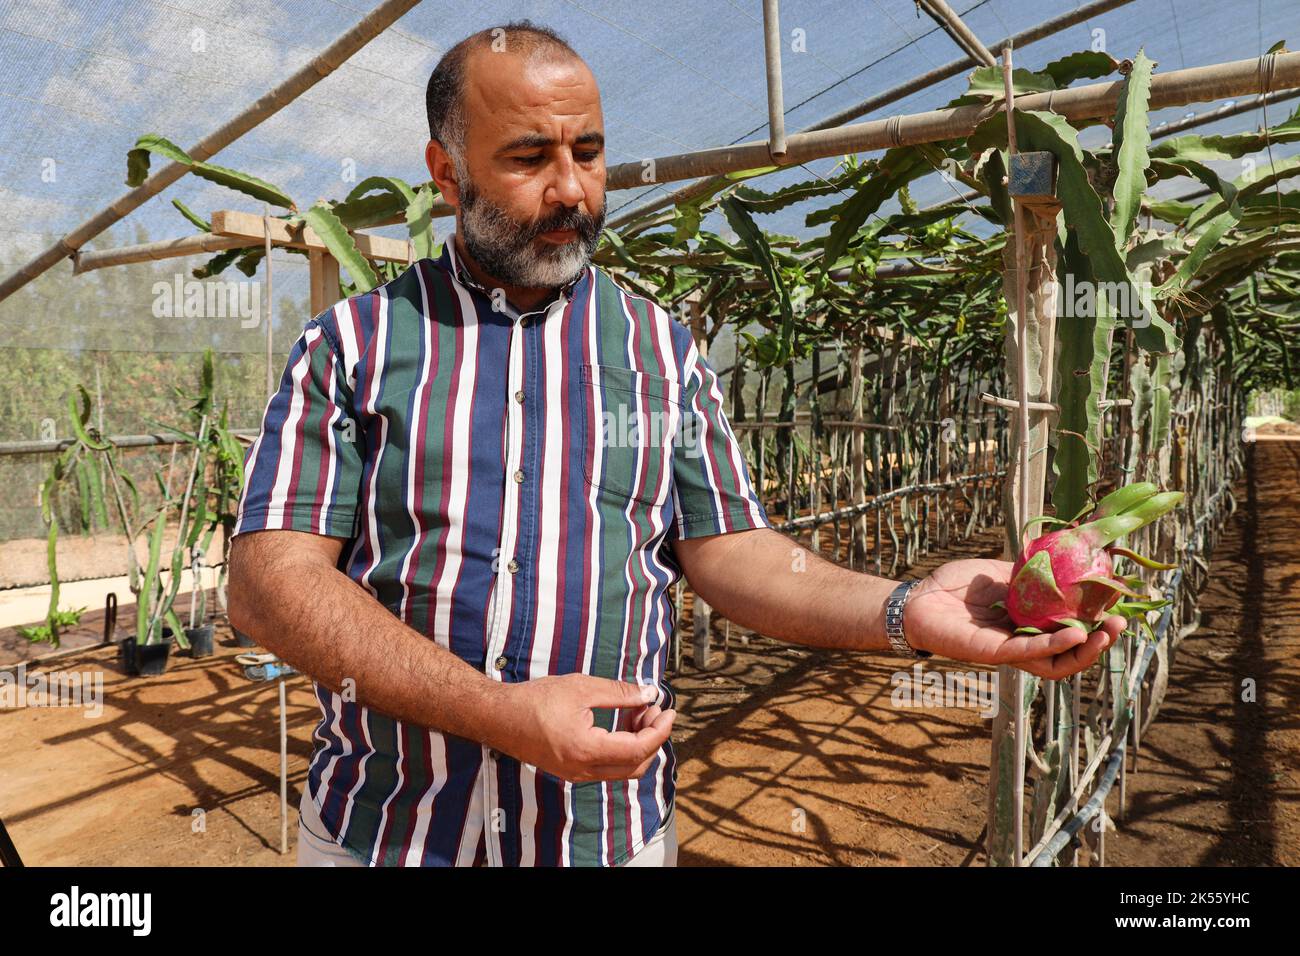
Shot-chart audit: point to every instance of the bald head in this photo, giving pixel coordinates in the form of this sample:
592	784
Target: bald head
518	149
462	68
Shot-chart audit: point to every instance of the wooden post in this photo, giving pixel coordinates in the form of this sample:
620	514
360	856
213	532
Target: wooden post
270	360
815	446
324	280
945	456
1029	274
315	259
857	462
701	614
284	775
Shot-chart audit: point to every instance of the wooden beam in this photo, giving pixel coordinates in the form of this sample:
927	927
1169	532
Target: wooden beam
308	75
232	222
163	249
232	229
956	28
1199	84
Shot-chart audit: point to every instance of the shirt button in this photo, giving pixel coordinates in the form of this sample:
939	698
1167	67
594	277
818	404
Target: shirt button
513	566
519	475
501	663
519	396
494	754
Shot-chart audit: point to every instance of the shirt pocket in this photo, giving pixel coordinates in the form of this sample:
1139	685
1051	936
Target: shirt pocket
628	421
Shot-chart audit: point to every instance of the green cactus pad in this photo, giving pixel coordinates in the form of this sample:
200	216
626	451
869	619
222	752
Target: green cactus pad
1119	586
1140	559
1122	499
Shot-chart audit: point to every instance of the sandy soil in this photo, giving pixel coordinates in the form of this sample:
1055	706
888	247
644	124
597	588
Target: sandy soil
788	756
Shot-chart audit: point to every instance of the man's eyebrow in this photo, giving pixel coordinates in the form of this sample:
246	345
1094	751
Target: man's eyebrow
539	141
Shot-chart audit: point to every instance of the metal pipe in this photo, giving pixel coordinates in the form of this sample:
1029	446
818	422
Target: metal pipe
320	66
775	99
956	27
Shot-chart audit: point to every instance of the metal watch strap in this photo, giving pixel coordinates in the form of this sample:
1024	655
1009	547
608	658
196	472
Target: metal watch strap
894	621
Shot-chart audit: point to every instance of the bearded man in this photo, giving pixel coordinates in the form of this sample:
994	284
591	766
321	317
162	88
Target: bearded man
473	494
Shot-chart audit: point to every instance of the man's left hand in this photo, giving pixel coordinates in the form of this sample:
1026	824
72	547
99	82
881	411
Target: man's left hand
949	613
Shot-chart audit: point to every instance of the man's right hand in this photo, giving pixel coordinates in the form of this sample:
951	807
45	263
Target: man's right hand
551	726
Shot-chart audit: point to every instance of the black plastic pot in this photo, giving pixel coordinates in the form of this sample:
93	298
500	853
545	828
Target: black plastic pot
200	639
146	660
243	639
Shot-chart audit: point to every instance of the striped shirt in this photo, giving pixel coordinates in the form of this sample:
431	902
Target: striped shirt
507	484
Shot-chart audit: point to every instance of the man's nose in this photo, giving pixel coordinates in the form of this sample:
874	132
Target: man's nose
566	189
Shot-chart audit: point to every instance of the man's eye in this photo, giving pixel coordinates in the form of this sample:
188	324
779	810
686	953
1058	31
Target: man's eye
588	156
529	160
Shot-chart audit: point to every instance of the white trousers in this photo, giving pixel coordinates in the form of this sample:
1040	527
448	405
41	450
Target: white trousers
315	848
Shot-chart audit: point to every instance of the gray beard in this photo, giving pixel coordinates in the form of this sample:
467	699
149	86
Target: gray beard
506	249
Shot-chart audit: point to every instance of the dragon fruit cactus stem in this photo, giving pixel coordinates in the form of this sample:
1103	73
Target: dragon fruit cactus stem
1067	577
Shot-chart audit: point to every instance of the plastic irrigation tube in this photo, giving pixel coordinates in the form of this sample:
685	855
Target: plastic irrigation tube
55	445
1047	855
882	499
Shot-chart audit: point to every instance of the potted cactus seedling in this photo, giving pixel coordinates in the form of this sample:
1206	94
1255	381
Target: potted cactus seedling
210	497
77	464
216	471
198	634
146	652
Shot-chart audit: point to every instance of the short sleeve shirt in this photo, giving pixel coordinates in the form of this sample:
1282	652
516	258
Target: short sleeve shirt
508	484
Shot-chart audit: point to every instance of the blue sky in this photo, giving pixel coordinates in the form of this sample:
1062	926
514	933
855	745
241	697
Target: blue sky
81	79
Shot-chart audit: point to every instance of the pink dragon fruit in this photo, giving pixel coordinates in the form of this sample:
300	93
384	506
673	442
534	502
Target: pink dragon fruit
1067	577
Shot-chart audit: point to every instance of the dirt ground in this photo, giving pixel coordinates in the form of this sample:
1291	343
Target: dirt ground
788	756
1278	428
1218	781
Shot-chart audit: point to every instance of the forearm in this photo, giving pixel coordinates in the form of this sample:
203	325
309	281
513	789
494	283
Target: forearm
324	624
775	586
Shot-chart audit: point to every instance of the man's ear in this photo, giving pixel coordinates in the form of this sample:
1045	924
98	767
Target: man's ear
443	172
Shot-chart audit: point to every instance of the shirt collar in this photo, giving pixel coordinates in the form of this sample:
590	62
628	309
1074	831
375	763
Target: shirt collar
452	262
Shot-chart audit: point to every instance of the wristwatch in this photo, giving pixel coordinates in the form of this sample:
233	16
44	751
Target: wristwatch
894	621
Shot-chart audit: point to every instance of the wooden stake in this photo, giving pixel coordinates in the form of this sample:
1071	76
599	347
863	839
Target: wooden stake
270	364
1022	334
284	776
701	613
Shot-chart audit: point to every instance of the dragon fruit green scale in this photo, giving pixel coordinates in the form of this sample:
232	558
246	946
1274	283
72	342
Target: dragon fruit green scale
1068	575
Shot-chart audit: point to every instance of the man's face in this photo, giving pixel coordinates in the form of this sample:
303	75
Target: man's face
532	195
